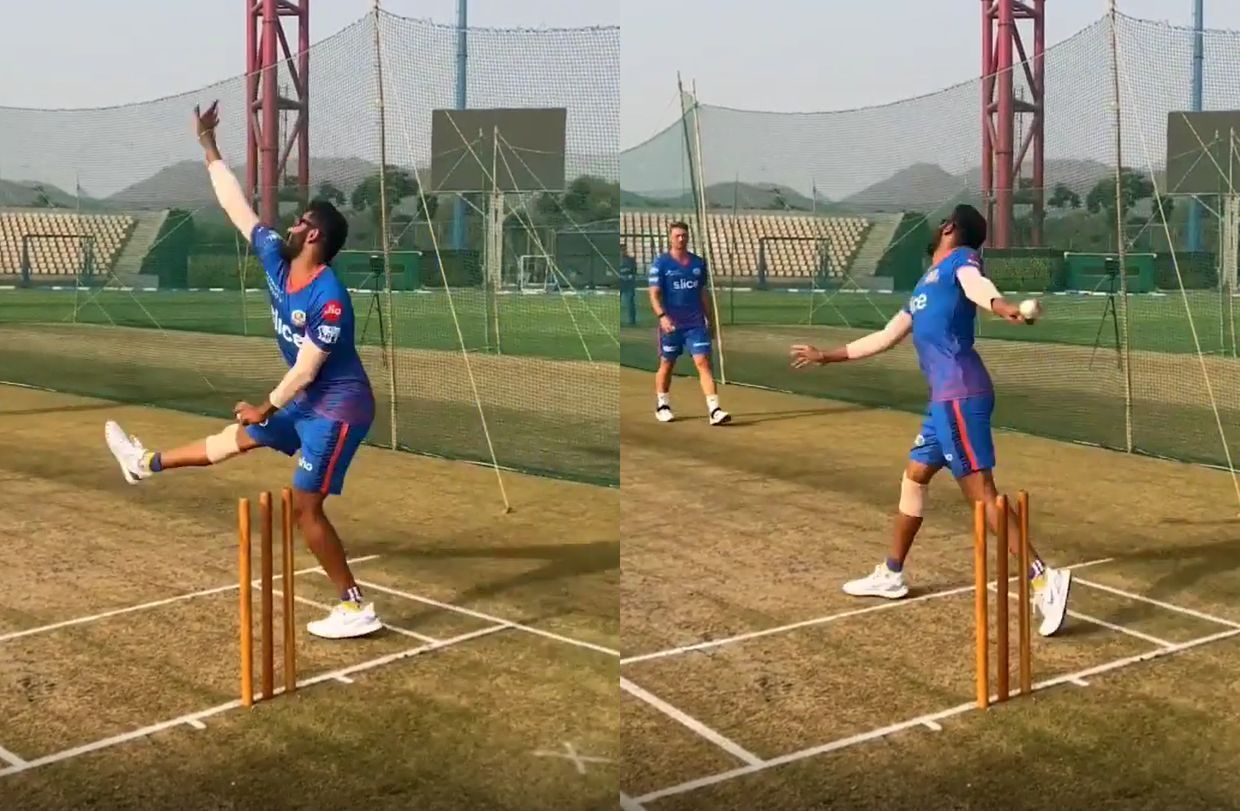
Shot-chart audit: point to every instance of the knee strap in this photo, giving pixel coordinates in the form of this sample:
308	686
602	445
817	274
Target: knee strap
912	497
224	445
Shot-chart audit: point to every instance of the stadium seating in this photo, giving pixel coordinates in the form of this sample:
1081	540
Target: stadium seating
60	259
792	246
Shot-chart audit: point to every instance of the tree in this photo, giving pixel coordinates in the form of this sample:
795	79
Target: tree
588	198
400	186
1064	197
1134	186
331	192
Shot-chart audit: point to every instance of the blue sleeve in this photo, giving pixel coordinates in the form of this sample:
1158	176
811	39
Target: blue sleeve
330	316
267	244
656	275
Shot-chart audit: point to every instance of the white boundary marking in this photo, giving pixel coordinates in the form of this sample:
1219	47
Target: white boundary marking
155	604
726	744
1201	615
931	718
489	618
193	717
714	643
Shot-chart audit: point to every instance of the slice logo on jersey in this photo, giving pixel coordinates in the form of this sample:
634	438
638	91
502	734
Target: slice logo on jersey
328	334
284	331
332	312
685	284
299	318
917	302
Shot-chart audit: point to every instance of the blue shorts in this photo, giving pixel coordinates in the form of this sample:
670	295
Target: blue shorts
327	446
956	434
672	344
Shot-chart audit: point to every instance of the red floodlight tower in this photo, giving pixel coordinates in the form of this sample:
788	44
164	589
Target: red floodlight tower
266	162
1002	157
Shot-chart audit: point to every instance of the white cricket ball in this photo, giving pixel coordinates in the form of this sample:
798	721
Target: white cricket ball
1031	309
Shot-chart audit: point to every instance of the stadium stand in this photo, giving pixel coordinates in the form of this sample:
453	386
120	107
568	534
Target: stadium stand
781	248
51	243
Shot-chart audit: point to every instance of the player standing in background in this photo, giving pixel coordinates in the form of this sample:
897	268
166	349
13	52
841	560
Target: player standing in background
956	430
678	282
324	405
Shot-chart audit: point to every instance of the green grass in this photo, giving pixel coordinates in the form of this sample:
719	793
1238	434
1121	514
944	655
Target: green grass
548	326
1159	322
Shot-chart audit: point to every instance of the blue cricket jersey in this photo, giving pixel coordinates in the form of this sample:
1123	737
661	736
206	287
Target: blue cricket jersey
322	312
681	285
943	318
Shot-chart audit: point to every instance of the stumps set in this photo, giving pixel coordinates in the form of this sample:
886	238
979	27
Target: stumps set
246	622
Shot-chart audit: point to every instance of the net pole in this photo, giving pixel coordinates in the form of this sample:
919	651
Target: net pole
710	276
1119	234
389	344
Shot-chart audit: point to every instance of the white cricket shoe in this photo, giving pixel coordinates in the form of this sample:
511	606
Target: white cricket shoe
664	413
1052	600
720	417
346	621
882	582
128	452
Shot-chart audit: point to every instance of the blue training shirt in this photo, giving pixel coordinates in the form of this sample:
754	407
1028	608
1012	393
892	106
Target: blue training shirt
681	285
943	319
322	312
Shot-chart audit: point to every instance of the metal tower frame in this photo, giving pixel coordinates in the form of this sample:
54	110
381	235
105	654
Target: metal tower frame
266	161
1001	159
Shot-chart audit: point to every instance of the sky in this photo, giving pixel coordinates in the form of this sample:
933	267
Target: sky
784	55
822	55
157	48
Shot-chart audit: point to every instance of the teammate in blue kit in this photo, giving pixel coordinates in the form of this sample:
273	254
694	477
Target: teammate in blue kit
955	433
680	301
324	405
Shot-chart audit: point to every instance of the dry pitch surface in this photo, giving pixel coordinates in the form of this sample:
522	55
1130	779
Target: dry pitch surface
498	717
733	534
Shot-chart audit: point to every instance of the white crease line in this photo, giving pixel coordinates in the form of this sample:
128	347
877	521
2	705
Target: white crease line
13	760
153	604
726	744
714	643
1105	624
220	708
924	720
489	618
933	726
1201	615
627	803
196	724
1080	682
325	606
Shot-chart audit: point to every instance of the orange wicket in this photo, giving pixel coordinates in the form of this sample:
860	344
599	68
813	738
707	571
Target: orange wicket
267	591
981	614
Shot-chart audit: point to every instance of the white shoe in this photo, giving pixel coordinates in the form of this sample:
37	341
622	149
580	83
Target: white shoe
720	417
346	620
663	413
1052	600
128	452
882	582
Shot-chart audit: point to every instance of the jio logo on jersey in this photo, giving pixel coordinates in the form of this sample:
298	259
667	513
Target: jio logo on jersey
917	302
685	284
332	312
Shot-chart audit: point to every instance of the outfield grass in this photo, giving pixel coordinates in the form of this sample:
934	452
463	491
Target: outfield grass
1159	322
543	325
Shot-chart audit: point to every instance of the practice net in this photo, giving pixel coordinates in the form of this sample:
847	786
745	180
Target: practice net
817	226
174	310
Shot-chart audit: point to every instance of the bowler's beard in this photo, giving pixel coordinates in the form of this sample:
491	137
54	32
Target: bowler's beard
292	247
